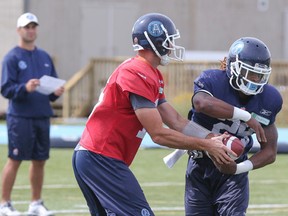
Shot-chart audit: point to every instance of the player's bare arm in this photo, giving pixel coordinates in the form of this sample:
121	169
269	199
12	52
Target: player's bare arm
256	126
228	168
151	120
211	106
265	156
205	103
175	121
268	150
171	117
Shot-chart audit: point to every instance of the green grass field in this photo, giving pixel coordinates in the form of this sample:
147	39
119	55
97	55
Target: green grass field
164	188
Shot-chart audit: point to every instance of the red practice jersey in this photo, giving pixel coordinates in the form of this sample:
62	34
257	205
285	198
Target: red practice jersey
112	128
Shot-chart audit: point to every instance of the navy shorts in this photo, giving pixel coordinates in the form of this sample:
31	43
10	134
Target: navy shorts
28	138
109	186
209	192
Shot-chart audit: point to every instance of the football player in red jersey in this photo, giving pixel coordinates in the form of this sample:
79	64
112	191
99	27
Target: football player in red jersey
133	102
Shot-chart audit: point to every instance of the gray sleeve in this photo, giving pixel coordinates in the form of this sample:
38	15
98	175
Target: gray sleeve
138	101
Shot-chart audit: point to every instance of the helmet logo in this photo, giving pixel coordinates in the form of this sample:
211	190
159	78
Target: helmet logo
155	29
236	47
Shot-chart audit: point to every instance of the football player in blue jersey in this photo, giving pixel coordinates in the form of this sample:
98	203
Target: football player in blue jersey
238	99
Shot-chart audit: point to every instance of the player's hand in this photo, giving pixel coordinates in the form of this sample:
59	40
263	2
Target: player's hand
256	126
32	84
228	168
218	151
59	91
210	135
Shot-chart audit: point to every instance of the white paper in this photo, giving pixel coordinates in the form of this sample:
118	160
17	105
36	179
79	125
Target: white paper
173	157
49	84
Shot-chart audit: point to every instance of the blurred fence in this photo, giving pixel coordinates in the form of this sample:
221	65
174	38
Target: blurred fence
83	89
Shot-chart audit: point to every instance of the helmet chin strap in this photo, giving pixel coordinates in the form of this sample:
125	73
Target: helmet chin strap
165	60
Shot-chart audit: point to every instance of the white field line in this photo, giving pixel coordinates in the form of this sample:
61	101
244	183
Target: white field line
269	181
52	186
255	209
261	209
263	206
251	207
146	184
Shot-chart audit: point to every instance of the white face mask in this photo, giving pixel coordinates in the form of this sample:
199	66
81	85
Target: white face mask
175	52
243	73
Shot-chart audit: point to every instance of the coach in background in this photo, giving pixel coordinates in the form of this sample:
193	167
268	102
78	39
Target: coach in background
28	115
237	99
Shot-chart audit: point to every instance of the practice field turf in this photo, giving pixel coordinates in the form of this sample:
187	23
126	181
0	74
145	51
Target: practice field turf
164	188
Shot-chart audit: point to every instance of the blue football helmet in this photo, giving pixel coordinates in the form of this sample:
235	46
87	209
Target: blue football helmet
248	65
157	32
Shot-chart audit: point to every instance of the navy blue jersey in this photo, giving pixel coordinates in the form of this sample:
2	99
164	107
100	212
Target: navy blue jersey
19	66
263	107
207	190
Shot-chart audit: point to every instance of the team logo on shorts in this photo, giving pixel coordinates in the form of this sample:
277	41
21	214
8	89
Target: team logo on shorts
22	65
145	212
15	151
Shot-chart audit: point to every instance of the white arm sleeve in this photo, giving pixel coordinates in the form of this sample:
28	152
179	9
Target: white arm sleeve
191	129
195	130
244	166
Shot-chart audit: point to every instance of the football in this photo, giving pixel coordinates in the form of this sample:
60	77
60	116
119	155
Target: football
235	145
